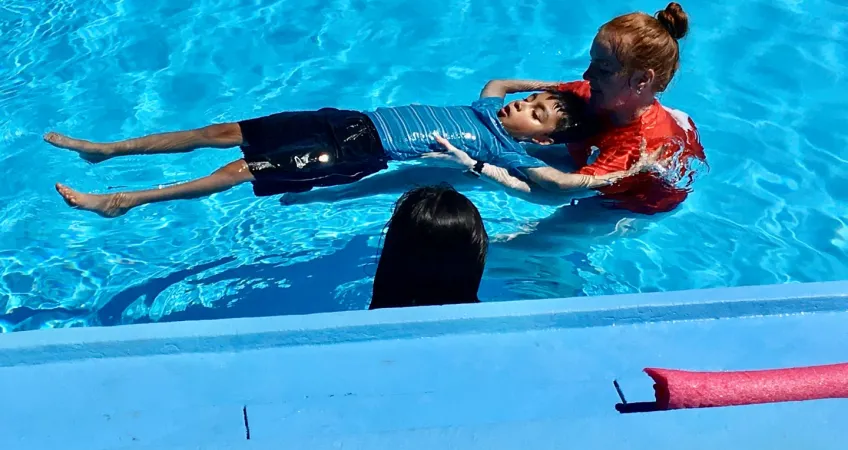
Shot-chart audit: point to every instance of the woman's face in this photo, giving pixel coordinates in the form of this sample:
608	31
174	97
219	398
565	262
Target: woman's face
607	78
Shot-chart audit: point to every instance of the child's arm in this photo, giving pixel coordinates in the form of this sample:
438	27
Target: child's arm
500	88
557	181
564	182
518	187
548	178
530	192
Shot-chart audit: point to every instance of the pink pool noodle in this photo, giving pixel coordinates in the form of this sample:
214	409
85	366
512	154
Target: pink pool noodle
677	389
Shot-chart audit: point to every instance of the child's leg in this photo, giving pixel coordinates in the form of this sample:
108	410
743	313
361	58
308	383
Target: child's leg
114	205
223	135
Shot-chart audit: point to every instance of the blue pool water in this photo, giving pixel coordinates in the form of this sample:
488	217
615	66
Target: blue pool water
763	80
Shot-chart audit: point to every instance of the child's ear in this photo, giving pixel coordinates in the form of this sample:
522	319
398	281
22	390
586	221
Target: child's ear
543	140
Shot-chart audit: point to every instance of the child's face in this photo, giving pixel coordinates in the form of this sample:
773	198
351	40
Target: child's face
533	118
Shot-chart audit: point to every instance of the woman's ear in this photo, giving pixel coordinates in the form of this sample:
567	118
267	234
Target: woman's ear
642	80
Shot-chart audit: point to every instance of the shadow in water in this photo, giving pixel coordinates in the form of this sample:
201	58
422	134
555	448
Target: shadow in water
110	313
396	181
588	222
555	254
26	319
310	288
551	256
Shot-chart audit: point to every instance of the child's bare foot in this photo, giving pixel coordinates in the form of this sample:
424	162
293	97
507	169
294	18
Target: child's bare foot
109	205
89	151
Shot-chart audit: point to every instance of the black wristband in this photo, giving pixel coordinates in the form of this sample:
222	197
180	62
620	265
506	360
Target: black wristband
478	167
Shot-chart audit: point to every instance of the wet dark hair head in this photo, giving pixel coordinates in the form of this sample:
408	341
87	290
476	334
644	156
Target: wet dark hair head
434	251
574	109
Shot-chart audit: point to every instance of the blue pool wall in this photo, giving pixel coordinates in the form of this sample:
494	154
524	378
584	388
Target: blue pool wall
525	374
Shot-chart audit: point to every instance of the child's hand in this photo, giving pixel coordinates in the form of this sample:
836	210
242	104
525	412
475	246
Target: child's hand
451	156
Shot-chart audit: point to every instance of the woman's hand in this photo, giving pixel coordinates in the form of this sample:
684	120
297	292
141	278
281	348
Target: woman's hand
647	160
451	157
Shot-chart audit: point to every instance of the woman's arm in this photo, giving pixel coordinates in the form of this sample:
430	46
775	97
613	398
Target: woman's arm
500	88
556	180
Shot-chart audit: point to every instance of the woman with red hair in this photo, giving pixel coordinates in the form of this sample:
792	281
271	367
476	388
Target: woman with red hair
634	58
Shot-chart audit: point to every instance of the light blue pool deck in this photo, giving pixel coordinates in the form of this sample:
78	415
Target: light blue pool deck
508	375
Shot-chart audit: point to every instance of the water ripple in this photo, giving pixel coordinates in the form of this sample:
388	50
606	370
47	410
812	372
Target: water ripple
764	81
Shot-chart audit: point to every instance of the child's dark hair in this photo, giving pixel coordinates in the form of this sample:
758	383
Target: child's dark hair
434	251
574	110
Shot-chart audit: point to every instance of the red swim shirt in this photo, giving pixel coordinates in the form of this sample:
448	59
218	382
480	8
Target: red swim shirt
618	149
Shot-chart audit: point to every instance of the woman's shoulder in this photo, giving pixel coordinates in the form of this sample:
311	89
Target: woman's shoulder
667	122
675	118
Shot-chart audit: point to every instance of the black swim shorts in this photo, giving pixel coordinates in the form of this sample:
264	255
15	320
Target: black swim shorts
296	151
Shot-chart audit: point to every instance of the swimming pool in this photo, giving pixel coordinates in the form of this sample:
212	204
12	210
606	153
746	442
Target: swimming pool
762	80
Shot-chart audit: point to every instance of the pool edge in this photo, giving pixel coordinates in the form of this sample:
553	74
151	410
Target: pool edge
60	345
